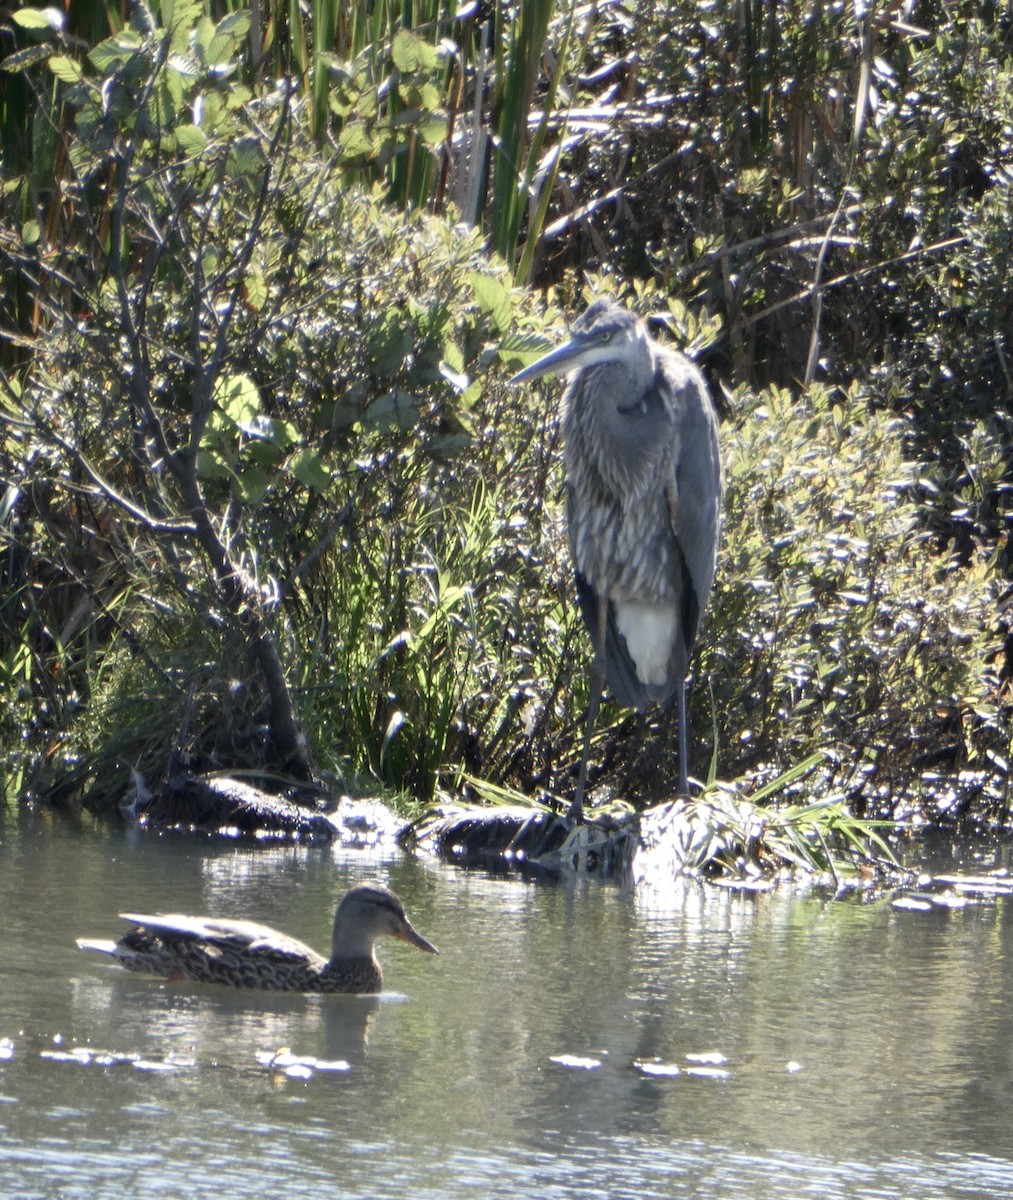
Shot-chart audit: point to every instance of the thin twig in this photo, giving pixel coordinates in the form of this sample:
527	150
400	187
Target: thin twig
175	525
816	289
854	276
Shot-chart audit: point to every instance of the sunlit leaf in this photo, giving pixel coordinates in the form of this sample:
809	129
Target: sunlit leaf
457	379
253	484
228	36
410	53
432	128
255	290
354	141
22	60
67	70
212	464
523	348
192	140
51	19
269	429
493	298
311	470
108	55
238	398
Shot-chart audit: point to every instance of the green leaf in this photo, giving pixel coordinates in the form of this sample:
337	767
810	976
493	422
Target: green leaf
246	156
269	429
40	18
311	471
466	400
452	355
432	128
204	34
66	69
394	408
255	291
253	484
110	54
493	298
171	91
403	53
389	345
238	398
228	37
31	232
180	17
192	139
211	464
409	53
525	347
22	60
354	141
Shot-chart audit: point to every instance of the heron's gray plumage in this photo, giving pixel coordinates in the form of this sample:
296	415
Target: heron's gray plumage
644	489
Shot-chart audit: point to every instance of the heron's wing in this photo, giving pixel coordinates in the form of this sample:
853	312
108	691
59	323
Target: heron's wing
685	582
694	492
620	673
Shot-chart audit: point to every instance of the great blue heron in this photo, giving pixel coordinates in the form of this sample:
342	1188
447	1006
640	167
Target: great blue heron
644	488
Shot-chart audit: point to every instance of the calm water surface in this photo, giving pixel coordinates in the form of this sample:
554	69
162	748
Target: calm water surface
823	1050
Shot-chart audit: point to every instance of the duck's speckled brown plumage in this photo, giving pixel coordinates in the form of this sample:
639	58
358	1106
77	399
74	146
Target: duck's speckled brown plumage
245	954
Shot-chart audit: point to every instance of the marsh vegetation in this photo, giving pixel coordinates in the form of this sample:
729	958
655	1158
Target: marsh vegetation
267	505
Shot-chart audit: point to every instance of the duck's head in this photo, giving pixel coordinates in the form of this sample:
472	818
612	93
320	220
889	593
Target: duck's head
366	913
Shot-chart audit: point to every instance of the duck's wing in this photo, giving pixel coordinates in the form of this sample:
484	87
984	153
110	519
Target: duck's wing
244	936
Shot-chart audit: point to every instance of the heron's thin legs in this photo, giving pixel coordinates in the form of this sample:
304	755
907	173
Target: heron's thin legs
577	807
576	812
680	704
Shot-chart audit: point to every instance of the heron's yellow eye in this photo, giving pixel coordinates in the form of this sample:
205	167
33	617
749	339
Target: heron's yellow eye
606	337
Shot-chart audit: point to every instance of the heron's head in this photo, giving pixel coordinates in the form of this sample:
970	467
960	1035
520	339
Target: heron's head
605	333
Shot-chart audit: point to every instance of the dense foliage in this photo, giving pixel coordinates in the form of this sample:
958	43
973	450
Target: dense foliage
258	453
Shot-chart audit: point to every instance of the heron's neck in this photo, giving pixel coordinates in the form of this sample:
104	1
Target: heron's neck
641	373
613	430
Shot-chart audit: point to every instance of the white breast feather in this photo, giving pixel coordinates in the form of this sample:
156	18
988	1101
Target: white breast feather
649	630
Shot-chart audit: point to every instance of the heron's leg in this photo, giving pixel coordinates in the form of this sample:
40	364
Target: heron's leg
576	812
680	704
597	684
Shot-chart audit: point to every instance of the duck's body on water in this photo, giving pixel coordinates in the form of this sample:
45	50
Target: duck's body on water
247	955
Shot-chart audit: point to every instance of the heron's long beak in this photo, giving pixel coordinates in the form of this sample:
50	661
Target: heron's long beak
561	360
410	935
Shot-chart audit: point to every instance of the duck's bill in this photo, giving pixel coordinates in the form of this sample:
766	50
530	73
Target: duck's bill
414	938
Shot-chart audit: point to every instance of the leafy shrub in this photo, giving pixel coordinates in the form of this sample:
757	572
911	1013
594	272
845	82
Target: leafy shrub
839	622
206	289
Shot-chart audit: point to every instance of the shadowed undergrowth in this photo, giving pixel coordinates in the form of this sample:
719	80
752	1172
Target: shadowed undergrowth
253	400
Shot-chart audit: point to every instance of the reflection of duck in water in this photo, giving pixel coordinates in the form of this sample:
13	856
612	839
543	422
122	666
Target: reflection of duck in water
244	954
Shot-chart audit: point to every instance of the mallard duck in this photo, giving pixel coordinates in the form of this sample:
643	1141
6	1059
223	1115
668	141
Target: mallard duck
244	954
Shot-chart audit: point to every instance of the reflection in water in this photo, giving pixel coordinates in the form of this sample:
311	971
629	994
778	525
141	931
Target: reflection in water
572	1040
182	1018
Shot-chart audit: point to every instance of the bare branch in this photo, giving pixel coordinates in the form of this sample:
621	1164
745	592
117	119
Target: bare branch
854	276
175	525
